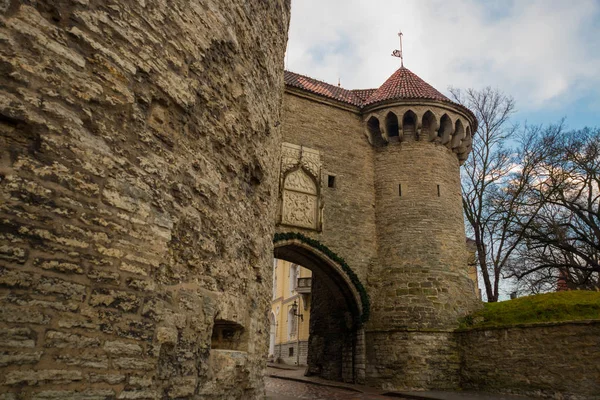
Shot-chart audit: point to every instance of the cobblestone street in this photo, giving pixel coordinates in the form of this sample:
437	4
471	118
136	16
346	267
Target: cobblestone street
280	389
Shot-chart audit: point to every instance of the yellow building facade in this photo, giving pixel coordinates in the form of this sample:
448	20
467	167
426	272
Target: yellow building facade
290	313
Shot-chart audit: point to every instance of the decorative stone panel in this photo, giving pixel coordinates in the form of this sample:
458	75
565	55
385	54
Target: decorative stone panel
300	183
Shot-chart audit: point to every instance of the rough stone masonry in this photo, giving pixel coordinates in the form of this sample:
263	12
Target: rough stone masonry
136	198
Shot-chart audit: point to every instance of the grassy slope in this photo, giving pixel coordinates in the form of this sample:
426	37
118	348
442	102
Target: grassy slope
548	307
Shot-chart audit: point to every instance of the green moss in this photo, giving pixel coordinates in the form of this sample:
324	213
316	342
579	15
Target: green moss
549	307
364	297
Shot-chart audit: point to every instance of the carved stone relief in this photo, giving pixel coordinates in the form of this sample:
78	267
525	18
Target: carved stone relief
300	180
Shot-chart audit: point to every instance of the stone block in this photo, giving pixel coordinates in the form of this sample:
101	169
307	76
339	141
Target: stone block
85	360
134	363
58	265
111	379
69	340
19	358
183	387
56	286
31	377
89	394
28	315
126	301
117	347
166	335
15	279
17	337
139	395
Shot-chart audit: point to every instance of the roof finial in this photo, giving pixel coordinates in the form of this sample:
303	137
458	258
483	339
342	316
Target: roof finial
339	82
398	53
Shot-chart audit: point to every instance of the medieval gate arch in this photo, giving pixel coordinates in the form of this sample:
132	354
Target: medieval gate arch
336	345
373	176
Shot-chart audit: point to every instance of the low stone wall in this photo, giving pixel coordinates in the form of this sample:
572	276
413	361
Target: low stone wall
282	352
412	360
558	360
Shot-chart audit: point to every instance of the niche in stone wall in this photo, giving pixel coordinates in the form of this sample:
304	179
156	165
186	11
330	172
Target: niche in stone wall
374	131
392	128
409	125
429	126
228	335
300	182
445	131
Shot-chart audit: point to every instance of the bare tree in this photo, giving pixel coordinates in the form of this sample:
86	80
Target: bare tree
485	173
559	217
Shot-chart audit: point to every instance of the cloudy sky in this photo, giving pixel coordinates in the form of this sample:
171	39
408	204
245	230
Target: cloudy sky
545	53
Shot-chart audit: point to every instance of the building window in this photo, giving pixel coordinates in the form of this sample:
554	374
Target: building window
291	352
294	269
331	181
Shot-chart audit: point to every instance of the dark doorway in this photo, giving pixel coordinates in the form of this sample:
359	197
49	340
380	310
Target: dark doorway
335	345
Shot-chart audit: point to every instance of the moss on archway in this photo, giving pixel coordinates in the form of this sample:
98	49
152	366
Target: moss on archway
364	297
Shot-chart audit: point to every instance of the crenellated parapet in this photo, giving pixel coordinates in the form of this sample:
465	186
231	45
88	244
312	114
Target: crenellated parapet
446	123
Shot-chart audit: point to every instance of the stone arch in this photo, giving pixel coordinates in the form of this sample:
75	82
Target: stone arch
409	125
459	134
429	125
339	306
446	129
392	127
374	129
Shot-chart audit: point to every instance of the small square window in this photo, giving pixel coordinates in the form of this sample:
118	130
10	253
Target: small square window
331	181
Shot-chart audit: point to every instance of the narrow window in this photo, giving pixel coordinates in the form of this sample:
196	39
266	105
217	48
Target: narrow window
438	190
400	189
291	352
229	335
331	181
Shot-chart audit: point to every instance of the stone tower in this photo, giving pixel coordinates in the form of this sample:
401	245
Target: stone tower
136	201
420	139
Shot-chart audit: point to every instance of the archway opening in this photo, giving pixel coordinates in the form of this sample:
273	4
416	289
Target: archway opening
445	131
429	126
324	309
392	128
459	134
409	125
374	130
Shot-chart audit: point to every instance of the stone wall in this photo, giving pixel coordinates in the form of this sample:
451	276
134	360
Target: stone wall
348	218
136	208
282	352
412	360
421	277
557	360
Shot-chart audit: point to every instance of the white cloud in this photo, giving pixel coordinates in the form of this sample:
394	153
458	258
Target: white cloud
543	52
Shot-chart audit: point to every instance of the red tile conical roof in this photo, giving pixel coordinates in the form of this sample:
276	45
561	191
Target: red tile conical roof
404	84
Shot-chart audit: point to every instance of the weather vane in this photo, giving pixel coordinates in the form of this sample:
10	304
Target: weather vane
398	53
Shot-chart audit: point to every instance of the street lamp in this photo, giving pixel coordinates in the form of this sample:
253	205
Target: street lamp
295	311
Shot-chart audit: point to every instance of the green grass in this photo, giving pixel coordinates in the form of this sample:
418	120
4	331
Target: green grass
548	307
